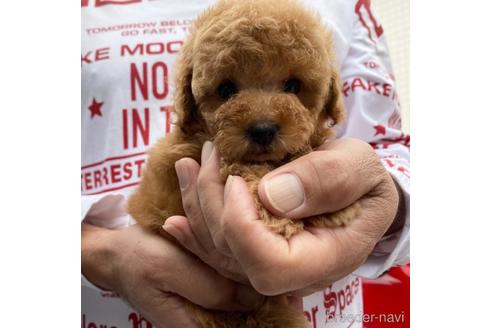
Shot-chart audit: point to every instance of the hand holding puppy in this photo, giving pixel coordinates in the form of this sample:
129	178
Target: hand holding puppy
222	226
156	276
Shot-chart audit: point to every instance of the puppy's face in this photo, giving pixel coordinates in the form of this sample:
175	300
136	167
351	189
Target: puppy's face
262	80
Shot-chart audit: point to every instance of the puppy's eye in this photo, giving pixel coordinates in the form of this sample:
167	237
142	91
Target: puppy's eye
226	90
292	86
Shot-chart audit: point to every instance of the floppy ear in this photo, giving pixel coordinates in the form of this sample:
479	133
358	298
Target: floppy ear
333	112
189	118
335	107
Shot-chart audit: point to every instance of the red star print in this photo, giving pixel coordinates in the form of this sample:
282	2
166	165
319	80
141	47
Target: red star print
380	129
95	108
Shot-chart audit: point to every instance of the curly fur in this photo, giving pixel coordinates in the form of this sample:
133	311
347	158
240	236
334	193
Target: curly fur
258	44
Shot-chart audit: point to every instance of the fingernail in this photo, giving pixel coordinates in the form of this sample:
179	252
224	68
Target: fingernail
173	231
227	188
206	151
183	173
285	192
249	297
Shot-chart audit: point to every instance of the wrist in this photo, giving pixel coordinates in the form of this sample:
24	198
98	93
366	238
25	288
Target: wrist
399	219
98	256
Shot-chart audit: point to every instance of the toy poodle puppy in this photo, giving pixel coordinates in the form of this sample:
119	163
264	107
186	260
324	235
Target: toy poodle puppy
259	79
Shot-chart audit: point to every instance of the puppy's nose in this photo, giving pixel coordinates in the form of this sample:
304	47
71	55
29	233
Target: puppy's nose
262	133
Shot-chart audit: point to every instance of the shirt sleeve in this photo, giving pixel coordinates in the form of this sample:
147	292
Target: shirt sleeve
373	115
105	210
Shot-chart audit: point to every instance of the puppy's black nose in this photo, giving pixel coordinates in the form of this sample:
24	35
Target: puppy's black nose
262	133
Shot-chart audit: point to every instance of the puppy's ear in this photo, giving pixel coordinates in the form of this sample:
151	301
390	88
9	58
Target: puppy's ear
335	107
189	118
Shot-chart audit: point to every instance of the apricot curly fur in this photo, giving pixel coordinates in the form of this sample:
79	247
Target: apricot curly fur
257	44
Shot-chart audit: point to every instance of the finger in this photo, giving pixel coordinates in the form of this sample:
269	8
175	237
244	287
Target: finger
259	251
211	195
180	228
187	170
199	283
275	265
322	181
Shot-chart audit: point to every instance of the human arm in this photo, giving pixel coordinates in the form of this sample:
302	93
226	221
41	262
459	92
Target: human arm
155	275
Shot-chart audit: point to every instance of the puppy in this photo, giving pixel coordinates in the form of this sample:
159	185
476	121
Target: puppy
259	79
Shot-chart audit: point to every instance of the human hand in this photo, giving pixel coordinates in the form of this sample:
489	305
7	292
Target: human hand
350	171
156	276
192	231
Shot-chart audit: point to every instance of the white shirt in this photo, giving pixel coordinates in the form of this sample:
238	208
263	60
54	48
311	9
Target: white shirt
128	53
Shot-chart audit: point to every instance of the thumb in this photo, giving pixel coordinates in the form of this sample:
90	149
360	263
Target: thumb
319	182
